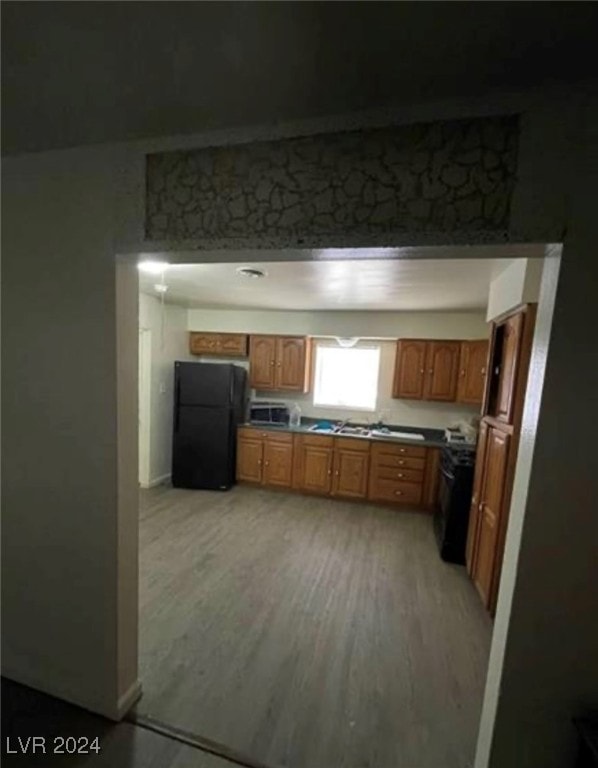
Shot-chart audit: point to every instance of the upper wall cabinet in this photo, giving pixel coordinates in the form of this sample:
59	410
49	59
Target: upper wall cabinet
473	365
410	368
280	363
426	370
225	344
442	367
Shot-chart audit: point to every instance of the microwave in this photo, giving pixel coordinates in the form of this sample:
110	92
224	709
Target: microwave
268	413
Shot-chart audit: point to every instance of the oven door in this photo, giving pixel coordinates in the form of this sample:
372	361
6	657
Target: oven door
443	509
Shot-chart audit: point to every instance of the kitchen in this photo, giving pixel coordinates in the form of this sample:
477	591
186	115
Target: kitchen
329	391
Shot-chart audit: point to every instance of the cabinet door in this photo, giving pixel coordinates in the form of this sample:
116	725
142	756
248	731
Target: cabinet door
350	473
203	343
410	369
233	344
249	460
278	463
442	365
472	371
262	361
490	510
480	464
508	364
291	361
314	464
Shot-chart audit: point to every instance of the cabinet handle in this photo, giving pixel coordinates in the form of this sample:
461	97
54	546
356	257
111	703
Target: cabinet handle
259	461
336	473
272	363
401	450
329	471
400	474
422	370
267	463
398	493
401	462
462	371
431	371
279	364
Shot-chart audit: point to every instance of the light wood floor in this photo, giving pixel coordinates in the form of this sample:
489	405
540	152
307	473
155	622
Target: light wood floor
306	632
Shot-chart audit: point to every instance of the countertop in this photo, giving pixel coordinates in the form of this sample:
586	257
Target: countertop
433	438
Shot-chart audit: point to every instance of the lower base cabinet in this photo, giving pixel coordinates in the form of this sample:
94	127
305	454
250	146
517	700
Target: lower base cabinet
342	467
265	457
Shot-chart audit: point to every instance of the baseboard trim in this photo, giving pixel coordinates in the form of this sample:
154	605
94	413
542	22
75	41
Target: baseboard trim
155	481
128	699
198	742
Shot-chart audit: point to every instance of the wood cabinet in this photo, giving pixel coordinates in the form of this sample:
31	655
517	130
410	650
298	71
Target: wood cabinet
278	463
262	362
480	464
313	459
225	344
350	468
473	365
507	346
490	509
442	366
426	370
496	458
344	467
250	454
279	363
403	474
410	369
264	457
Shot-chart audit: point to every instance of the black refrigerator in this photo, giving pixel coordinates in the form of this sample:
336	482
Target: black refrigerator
209	402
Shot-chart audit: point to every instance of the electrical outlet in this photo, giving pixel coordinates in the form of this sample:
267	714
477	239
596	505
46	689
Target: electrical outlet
162	388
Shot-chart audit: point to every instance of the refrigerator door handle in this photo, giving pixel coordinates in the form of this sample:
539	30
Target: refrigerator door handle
177	401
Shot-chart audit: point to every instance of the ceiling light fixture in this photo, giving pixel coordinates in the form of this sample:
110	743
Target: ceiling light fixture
153	267
251	272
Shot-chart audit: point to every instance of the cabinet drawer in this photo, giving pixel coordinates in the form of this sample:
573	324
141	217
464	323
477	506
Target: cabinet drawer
352	444
272	436
399	473
396	491
401	450
321	441
386	460
249	433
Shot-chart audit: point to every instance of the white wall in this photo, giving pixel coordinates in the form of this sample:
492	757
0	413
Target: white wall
69	490
379	325
168	344
514	284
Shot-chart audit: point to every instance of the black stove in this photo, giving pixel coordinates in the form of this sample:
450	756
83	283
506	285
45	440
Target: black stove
451	518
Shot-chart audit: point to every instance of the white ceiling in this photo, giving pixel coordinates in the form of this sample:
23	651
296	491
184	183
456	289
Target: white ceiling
373	284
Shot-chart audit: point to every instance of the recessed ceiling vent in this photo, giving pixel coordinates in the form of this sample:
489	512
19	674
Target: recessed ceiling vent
255	274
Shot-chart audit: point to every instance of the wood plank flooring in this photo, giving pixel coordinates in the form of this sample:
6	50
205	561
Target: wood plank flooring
307	632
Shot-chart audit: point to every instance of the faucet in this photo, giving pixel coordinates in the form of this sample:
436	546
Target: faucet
342	424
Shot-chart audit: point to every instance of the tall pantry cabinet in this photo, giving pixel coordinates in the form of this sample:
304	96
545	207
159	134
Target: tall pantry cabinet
502	409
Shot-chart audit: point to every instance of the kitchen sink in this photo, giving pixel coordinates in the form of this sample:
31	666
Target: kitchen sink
397	435
360	431
322	430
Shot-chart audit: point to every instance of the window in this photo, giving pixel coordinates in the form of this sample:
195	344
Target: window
347	377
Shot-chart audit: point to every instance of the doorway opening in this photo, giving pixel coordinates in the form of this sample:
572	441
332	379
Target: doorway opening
310	624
